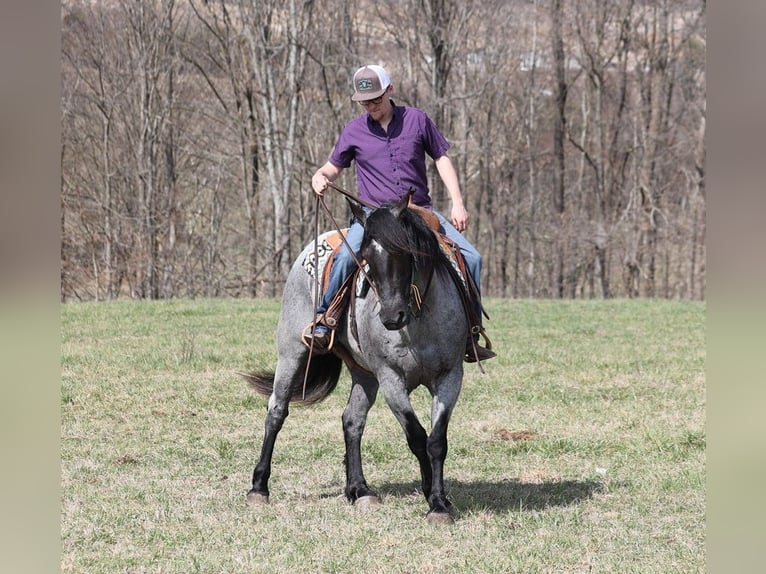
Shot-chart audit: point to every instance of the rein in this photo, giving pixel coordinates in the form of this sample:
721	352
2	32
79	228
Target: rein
351	196
418	294
343	238
321	202
316	294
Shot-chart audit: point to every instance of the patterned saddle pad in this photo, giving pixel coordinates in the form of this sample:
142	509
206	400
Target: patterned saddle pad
319	260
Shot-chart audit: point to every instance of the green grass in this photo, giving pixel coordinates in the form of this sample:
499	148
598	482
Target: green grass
582	448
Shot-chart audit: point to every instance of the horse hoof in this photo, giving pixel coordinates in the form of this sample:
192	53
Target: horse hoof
368	502
257	499
440	518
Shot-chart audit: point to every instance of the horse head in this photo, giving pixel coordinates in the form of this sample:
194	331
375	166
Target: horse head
395	246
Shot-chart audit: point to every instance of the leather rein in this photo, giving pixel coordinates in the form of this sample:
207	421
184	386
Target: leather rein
320	202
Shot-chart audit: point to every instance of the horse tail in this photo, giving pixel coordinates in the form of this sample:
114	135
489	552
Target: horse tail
322	378
262	383
323	375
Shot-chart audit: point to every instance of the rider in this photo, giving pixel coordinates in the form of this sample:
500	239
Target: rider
389	144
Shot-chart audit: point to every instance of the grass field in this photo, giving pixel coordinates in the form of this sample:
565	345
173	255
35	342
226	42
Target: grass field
582	448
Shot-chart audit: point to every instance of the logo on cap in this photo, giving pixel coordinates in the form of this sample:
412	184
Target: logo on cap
364	84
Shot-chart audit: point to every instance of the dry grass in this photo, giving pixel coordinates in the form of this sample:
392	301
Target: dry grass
581	450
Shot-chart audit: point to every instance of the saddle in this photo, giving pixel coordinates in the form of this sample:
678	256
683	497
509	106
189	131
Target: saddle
319	262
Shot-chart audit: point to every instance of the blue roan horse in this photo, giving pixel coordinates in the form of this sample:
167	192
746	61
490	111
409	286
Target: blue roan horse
396	347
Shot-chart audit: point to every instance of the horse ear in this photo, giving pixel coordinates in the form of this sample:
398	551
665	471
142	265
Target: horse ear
403	203
357	210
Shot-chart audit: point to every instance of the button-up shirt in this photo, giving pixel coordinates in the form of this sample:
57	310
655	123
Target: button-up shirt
389	163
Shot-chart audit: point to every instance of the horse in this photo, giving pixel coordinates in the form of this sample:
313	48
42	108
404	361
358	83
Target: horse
394	342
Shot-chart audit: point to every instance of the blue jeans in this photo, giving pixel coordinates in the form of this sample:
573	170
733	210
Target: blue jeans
344	262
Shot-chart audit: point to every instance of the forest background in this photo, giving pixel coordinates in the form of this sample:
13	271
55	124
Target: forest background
190	130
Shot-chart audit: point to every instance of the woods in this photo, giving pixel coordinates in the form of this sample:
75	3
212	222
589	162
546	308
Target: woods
190	130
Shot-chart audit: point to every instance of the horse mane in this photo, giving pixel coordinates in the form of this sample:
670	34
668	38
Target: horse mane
408	234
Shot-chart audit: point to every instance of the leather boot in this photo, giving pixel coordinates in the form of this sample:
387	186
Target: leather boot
322	336
482	352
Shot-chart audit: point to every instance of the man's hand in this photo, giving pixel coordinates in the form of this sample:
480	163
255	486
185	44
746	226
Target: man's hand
449	177
323	177
319	183
459	217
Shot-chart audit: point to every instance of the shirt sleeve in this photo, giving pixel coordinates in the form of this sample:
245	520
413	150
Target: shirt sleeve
436	145
344	151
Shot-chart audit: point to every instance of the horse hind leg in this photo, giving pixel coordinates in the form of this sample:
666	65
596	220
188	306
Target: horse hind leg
286	385
281	386
275	418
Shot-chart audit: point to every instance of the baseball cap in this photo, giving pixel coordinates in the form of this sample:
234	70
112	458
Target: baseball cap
370	82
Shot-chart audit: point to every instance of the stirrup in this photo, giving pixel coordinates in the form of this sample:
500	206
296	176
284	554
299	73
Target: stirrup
478	353
319	344
474	352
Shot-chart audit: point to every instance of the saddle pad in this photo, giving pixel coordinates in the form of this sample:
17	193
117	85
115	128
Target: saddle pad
452	256
316	260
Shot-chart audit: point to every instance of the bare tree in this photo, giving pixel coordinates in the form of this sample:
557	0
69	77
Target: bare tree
227	58
277	35
91	87
559	136
190	130
602	49
148	37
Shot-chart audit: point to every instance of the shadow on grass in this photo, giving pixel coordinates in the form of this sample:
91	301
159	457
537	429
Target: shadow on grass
505	495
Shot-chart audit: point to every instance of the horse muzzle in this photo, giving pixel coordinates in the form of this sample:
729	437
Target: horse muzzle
395	323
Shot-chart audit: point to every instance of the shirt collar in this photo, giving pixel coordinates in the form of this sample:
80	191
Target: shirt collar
394	117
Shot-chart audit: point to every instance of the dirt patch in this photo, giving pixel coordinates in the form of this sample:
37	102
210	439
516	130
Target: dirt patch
505	434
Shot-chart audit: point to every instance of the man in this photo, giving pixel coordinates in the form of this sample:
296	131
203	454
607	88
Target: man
389	144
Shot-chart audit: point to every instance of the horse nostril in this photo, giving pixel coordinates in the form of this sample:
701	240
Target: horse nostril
401	320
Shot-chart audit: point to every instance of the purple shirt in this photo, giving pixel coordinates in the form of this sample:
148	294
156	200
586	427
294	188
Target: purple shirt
388	164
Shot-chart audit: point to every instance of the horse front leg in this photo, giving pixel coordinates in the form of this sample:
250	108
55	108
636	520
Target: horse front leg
363	392
399	402
275	418
417	437
440	508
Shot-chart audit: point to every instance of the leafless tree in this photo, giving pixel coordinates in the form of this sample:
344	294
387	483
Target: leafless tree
190	131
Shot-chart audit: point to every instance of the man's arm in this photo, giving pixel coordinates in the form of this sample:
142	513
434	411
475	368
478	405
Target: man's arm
449	177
